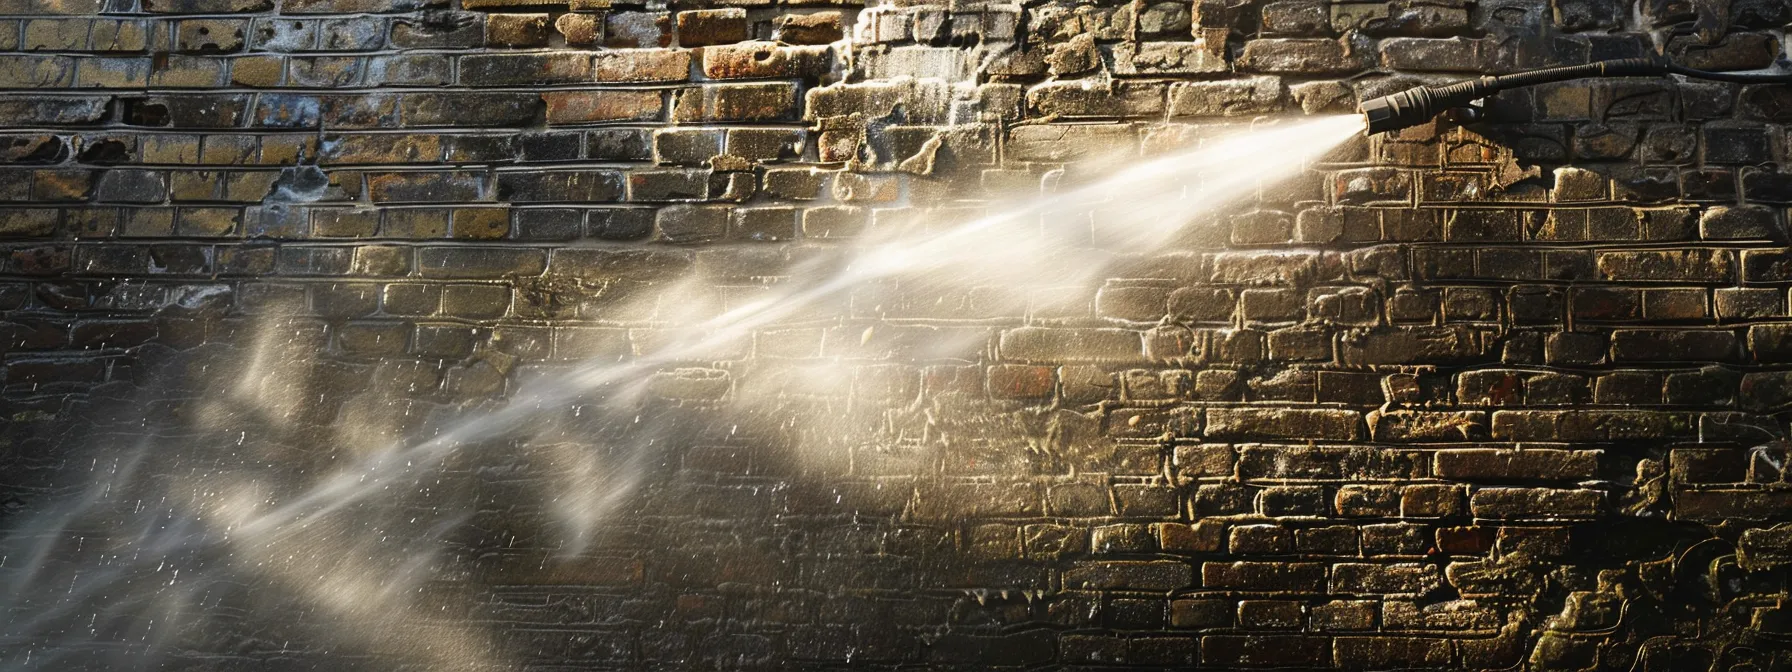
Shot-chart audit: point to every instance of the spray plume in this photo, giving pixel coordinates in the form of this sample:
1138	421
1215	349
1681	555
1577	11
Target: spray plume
355	528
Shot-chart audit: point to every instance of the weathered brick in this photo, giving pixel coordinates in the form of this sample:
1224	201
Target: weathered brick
1280	501
1030	343
1298	57
1440	55
1270	614
1510	334
427	186
1499	465
580	29
1377	653
1692	265
1397	579
54	110
1336	425
1295	577
599	186
580	107
770	101
1166	58
206	6
703	27
1710	506
1372	185
520	69
816	28
132	186
637	29
516	30
479	262
1746	303
211	35
1592	425
668	185
1301	462
1770	342
387	148
1674	345
470	109
1536	503
1765	548
641	65
1156	576
440	29
1229	98
28	222
1413	345
1265	650
1079	99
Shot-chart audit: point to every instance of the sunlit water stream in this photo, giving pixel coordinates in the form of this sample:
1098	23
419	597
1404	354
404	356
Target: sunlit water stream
229	519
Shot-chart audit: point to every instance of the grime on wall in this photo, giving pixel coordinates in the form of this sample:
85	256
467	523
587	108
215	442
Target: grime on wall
815	334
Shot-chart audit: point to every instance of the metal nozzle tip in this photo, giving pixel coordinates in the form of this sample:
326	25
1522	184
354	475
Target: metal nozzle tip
1380	116
1400	110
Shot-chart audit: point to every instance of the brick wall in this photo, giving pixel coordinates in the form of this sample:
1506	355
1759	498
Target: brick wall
1450	400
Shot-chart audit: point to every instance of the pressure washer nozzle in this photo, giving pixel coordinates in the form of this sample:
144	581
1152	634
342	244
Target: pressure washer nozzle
1420	104
1397	111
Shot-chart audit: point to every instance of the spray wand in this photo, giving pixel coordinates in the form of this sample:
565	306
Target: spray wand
1420	104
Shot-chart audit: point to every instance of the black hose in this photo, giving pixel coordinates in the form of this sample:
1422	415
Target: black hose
1733	77
1420	104
1623	67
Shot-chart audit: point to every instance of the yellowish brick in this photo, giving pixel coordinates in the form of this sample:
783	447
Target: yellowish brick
193	185
149	222
56	34
209	222
115	35
113	73
211	35
415	223
61	185
492	4
580	29
258	71
382	148
284	149
31	222
346	184
345	222
481	223
381	260
53	7
9	35
188	72
249	186
324	71
175	149
228	149
161	34
516	30
36	72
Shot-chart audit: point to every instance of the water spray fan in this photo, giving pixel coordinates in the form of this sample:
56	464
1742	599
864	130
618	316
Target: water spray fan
1421	104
